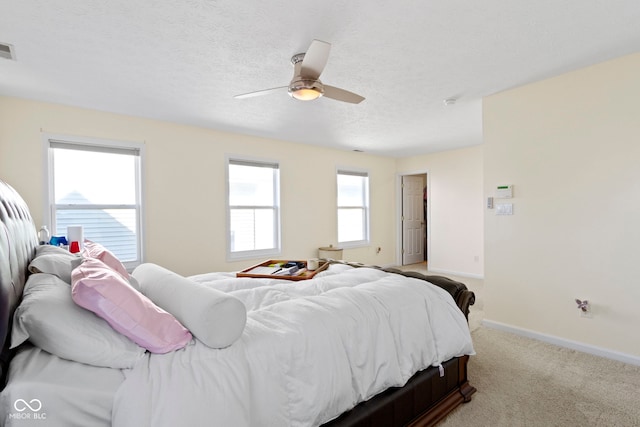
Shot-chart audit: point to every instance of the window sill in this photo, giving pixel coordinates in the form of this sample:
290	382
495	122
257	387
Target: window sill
352	245
243	256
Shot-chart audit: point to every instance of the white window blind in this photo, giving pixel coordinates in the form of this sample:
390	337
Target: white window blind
98	187
353	207
253	208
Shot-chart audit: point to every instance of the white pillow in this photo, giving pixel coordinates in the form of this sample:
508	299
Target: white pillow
48	317
50	249
57	262
213	317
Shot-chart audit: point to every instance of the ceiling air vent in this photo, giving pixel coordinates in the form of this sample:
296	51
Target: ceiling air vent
6	51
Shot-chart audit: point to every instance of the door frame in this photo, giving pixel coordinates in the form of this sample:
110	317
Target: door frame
399	237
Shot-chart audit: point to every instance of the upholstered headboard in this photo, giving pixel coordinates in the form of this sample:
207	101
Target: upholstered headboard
18	241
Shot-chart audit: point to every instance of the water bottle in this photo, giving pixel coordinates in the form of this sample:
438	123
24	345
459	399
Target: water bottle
43	235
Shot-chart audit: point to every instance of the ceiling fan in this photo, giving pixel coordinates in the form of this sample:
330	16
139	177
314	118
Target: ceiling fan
305	84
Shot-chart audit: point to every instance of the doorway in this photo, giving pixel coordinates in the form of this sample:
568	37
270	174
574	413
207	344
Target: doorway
414	219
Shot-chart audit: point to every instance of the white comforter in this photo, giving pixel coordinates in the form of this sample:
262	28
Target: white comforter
310	351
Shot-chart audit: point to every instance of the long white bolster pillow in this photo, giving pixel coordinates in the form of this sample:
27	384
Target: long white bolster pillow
213	317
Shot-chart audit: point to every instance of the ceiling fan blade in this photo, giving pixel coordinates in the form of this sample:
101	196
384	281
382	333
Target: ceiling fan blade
315	59
342	95
260	92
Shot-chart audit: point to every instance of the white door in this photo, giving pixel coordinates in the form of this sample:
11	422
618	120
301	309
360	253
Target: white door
412	219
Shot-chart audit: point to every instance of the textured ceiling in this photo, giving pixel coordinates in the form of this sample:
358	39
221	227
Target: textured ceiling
183	61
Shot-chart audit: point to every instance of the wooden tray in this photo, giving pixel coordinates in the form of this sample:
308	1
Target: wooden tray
306	274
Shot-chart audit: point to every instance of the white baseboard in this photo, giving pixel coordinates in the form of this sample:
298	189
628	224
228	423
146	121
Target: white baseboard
455	273
561	342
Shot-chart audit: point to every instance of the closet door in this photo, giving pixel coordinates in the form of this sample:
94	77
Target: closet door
413	224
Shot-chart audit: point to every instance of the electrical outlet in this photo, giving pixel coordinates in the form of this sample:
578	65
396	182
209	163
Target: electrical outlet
584	308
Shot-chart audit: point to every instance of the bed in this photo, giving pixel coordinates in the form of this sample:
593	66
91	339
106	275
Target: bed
354	346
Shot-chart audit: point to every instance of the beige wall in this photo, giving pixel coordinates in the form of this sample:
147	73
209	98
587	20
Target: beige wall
570	145
185	183
455	208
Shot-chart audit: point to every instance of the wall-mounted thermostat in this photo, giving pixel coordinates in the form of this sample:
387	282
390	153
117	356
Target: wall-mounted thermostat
504	191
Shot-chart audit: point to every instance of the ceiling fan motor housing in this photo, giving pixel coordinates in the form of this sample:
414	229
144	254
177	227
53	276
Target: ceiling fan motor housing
301	87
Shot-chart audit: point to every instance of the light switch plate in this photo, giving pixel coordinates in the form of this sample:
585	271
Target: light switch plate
504	208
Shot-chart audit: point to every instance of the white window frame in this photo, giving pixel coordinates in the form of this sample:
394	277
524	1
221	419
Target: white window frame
96	144
256	253
367	227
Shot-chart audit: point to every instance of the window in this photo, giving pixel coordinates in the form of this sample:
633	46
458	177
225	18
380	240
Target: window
353	208
97	184
254	214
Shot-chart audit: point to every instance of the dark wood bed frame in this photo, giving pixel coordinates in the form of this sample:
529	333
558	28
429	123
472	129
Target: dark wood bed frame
426	398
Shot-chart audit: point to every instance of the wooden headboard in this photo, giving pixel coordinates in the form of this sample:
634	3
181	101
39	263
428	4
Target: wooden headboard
18	241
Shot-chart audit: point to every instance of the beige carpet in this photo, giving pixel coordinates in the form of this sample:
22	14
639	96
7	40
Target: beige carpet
525	382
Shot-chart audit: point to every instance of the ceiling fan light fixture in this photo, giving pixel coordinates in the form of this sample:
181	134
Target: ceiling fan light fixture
306	94
306	90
